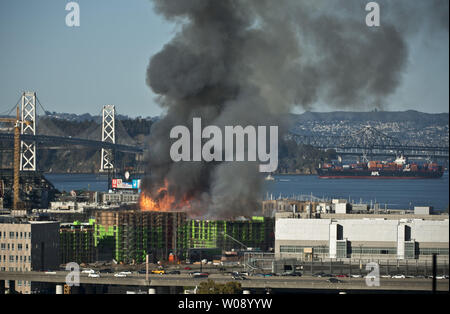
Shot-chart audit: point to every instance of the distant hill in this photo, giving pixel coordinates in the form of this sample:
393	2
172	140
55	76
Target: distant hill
381	116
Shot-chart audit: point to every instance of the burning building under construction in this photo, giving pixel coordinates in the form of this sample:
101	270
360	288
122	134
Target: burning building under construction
128	236
225	235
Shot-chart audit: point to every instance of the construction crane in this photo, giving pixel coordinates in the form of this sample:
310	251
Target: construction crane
17	126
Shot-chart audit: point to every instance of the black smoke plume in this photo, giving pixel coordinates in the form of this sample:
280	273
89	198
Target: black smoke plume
236	62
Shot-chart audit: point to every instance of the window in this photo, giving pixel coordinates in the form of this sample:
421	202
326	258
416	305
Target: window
410	251
431	251
11	235
341	249
29	235
11	258
12	247
17	235
0	234
300	249
3	246
373	250
21	235
19	247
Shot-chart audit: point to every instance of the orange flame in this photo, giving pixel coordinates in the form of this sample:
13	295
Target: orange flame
164	201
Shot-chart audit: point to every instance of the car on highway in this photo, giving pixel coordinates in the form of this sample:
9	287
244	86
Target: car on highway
200	275
399	276
120	275
291	273
49	272
187	268
239	278
127	272
159	271
441	277
94	275
356	276
334	280
88	271
387	276
342	276
321	274
173	272
142	272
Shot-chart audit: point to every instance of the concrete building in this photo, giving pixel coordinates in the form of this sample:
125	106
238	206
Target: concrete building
271	207
373	238
28	246
120	198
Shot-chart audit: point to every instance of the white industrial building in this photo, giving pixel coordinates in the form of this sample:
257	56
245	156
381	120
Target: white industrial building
377	238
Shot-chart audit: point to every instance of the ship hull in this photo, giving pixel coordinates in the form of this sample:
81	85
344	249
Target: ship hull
377	174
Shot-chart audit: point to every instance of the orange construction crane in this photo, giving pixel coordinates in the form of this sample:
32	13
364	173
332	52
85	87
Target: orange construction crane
17	126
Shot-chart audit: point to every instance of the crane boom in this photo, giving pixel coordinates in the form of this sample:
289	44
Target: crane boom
17	125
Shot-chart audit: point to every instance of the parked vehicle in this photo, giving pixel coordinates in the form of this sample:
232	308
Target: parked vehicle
399	277
94	275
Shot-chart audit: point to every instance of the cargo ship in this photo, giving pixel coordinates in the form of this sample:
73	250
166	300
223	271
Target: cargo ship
400	168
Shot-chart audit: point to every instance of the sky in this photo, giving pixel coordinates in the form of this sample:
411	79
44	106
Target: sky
104	61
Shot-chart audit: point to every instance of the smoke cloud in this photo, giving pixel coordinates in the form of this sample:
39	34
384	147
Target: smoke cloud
251	62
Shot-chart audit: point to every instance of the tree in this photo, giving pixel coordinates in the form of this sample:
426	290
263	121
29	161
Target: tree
211	287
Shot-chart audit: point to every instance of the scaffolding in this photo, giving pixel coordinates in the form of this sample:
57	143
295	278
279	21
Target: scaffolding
226	234
77	243
131	235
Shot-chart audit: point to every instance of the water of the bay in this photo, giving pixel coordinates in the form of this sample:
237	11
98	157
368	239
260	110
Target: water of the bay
395	194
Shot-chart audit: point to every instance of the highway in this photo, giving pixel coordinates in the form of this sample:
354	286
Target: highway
285	282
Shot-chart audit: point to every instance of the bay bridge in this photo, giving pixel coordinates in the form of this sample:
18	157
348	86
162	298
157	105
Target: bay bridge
110	139
369	141
113	138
